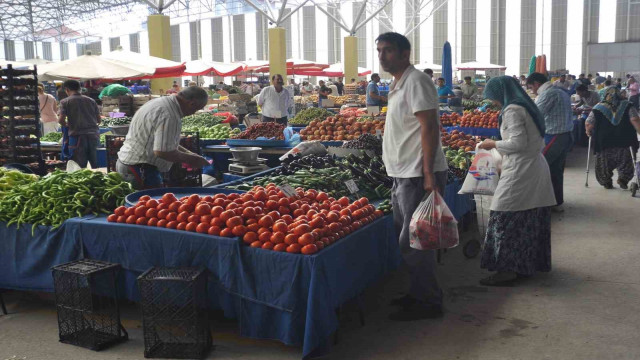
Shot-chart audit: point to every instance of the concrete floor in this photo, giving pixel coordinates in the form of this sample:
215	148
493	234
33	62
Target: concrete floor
586	308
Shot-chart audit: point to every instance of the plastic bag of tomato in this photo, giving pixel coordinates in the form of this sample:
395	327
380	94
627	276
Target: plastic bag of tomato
263	217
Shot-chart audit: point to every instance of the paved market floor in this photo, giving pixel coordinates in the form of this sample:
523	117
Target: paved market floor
586	308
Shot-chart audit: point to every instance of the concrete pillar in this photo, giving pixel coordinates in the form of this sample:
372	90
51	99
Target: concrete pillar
350	58
159	46
277	52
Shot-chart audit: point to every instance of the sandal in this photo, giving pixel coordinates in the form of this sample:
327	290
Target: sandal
499	279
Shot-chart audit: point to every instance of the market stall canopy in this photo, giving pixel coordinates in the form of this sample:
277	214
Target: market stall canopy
92	67
475	65
162	67
15	64
424	66
206	67
293	66
335	70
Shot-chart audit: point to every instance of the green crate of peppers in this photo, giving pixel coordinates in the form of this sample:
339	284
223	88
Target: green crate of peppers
306	116
52	199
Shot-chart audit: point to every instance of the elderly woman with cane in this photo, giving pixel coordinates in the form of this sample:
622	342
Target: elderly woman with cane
611	123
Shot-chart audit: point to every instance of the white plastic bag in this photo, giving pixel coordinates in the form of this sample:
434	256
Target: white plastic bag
306	148
433	225
483	175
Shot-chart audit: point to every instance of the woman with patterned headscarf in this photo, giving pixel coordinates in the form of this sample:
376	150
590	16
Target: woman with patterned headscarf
610	123
518	239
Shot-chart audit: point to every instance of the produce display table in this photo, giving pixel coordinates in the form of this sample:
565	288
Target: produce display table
475	131
273	295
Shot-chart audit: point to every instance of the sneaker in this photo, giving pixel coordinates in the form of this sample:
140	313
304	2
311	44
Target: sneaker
417	311
557	209
403	301
623	185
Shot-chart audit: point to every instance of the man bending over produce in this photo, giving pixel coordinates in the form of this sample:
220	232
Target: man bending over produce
81	115
153	142
412	154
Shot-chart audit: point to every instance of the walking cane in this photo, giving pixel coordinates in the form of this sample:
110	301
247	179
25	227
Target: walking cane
586	184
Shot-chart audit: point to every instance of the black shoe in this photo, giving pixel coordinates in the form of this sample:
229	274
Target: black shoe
623	185
417	311
404	301
608	186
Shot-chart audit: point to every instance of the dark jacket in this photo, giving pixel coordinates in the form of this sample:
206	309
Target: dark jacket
608	136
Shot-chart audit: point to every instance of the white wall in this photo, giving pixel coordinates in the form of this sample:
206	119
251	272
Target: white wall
512	37
205	41
125	43
143	36
575	27
322	37
483	31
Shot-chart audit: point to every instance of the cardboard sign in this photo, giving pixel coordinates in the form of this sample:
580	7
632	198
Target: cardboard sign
287	190
351	186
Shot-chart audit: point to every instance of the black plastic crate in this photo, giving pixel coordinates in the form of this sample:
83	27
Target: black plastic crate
113	143
175	322
86	301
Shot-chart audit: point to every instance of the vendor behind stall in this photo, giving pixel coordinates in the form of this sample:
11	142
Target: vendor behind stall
275	101
153	142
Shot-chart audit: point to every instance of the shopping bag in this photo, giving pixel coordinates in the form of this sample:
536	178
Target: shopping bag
433	225
483	175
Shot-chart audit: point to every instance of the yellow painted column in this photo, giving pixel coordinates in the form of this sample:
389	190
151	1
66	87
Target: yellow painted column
350	58
160	46
277	53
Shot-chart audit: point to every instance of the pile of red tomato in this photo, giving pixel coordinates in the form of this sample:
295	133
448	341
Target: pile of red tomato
263	217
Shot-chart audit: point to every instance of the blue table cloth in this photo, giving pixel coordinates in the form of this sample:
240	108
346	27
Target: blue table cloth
459	205
273	295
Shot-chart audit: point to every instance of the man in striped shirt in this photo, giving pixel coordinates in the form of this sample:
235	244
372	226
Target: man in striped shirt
555	105
153	142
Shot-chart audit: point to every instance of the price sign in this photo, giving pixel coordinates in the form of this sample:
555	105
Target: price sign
351	186
287	190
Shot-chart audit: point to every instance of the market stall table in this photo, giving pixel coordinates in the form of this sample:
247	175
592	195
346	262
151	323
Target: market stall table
273	295
221	155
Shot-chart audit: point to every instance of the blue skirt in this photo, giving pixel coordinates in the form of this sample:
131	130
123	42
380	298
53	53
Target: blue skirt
518	241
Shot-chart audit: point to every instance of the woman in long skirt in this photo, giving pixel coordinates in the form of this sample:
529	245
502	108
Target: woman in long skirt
518	239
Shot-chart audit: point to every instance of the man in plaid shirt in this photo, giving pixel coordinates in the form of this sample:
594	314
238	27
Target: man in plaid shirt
555	105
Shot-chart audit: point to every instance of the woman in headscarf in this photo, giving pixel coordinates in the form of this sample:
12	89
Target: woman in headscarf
610	123
518	239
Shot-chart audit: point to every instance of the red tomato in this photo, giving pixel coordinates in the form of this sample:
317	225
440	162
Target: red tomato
162	206
301	229
122	219
239	230
162	214
317	223
379	213
287	219
277	237
266	221
284	210
214	230
172	224
193	218
131	219
345	220
181	226
217	222
162	223
216	211
202	228
140	211
207	199
193	200
262	229
151	213
191	226
257	244
144	198
250	237
232	206
280	247
141	221
253	227
294	248
268	245
297	213
186	207
174	206
345	212
153	203
291	239
261	195
168	198
364	201
333	217
246	197
322	196
336	207
309	249
112	218
234	221
283	202
152	222
280	227
182	217
226	215
119	211
320	244
130	211
306	239
265	236
172	216
203	209
248	213
272	205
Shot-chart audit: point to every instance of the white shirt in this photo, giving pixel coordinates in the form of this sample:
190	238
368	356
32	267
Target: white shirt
402	144
274	104
155	127
334	90
525	181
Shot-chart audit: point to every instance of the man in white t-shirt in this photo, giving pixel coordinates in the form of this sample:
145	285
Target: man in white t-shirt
413	156
275	101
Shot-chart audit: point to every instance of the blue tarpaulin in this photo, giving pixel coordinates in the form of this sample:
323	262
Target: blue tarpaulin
447	67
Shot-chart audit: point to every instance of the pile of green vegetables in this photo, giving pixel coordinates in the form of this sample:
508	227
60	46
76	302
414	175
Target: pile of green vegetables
13	178
109	121
52	137
60	195
217	132
306	116
330	174
386	206
200	121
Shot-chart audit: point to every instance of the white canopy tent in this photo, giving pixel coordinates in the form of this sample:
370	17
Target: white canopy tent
206	67
424	66
475	65
162	67
92	67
